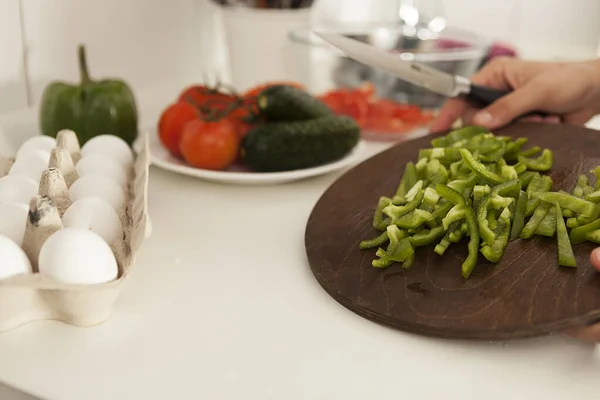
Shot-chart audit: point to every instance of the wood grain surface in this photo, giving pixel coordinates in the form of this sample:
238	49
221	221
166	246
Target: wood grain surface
527	294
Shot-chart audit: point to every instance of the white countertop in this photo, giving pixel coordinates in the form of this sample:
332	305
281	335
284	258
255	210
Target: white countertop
222	305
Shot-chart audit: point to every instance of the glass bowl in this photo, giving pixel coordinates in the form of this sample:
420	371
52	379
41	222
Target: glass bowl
322	68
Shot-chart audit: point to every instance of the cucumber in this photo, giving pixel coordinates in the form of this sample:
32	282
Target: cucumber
286	146
287	103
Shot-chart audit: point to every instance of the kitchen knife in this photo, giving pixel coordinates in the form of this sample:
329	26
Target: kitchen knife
437	81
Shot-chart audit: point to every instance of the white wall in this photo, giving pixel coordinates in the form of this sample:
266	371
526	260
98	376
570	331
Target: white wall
160	45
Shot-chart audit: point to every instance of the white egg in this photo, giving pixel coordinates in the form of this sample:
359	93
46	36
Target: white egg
96	215
44	143
14	260
77	256
109	145
13	219
95	185
31	164
102	164
18	189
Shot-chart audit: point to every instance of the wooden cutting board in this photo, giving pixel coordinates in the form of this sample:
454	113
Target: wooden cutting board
524	295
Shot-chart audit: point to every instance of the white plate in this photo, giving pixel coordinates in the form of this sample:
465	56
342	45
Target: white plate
161	157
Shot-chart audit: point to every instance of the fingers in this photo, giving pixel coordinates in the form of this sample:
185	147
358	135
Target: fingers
579	118
492	75
595	258
449	113
508	108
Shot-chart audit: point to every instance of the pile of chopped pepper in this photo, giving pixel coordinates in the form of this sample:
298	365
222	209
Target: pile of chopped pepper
474	184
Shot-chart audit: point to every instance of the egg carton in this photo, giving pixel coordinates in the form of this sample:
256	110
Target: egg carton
32	297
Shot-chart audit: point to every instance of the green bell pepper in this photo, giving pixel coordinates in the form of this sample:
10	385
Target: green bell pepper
91	108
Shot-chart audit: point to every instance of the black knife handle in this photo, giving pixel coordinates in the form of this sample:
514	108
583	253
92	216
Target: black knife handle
483	96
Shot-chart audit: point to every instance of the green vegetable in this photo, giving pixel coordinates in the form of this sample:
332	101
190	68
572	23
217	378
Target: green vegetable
537	218
282	103
519	218
566	258
409	179
92	108
548	225
479	169
472	183
285	146
376	242
580	206
457	199
542	163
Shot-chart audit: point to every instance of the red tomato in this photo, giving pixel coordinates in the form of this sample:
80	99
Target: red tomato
352	104
171	123
205	97
255	91
210	145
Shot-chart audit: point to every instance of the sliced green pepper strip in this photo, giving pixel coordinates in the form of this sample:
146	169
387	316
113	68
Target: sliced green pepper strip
508	189
445	155
593	236
543	184
520	168
456	214
479	192
582	181
401	251
519	215
456	236
541	164
494	155
479	169
566	258
530	152
409	179
578	234
527	176
565	200
509	172
431	196
572	223
375	242
495	252
443	245
457	199
594	197
513	149
409	261
548	225
413	219
596	172
395	212
383	261
378	222
427	237
465	133
537	218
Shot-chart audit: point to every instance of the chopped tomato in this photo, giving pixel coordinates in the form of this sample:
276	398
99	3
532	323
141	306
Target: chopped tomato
210	145
351	104
171	124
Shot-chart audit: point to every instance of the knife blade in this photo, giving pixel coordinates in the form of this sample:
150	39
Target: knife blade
430	78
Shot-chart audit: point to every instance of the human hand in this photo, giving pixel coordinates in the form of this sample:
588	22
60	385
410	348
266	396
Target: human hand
568	92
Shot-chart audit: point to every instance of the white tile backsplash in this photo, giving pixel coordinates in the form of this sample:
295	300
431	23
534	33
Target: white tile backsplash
167	43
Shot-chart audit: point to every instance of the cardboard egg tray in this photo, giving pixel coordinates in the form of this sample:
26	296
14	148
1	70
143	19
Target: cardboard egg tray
31	297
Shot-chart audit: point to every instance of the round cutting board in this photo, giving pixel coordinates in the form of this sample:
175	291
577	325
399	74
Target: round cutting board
526	294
